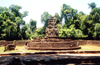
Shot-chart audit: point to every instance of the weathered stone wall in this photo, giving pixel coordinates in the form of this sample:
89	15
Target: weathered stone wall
91	42
52	44
18	43
80	42
53	59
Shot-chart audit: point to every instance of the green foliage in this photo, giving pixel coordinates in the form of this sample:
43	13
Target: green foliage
71	32
25	13
57	18
76	26
95	15
38	33
3	9
18	20
44	19
24	35
92	5
96	34
68	13
79	34
10	21
24	28
59	26
15	9
80	25
33	24
7	26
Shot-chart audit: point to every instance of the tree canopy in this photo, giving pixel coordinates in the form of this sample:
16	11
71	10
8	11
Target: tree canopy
77	25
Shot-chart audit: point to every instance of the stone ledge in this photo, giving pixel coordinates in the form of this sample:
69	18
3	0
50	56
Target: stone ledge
53	59
52	48
68	52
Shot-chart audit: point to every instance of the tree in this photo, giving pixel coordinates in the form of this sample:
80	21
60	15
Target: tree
18	18
57	17
18	22
24	29
96	33
92	5
15	9
78	21
92	19
68	13
10	21
3	9
81	13
38	33
33	25
7	26
44	19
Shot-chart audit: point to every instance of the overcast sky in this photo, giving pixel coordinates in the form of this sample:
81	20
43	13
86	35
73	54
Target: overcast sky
37	7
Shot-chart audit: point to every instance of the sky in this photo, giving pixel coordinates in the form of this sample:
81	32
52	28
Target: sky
37	7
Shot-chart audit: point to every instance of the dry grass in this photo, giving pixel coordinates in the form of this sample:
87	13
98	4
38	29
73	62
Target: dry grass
22	50
89	47
17	49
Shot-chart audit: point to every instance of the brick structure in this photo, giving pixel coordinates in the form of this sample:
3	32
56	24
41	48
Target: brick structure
52	41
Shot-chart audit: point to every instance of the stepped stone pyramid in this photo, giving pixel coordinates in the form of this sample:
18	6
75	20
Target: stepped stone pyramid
52	41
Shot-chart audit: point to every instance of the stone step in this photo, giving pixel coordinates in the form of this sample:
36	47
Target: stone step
51	44
52	48
52	40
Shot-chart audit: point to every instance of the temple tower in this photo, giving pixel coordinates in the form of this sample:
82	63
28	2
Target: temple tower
51	29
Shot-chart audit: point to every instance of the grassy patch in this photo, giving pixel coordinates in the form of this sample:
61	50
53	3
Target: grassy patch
89	47
17	49
1	49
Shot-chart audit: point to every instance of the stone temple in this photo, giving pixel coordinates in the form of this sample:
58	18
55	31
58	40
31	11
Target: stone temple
51	29
52	41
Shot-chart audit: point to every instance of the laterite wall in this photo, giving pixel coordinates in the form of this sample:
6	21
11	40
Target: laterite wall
18	43
91	42
80	42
